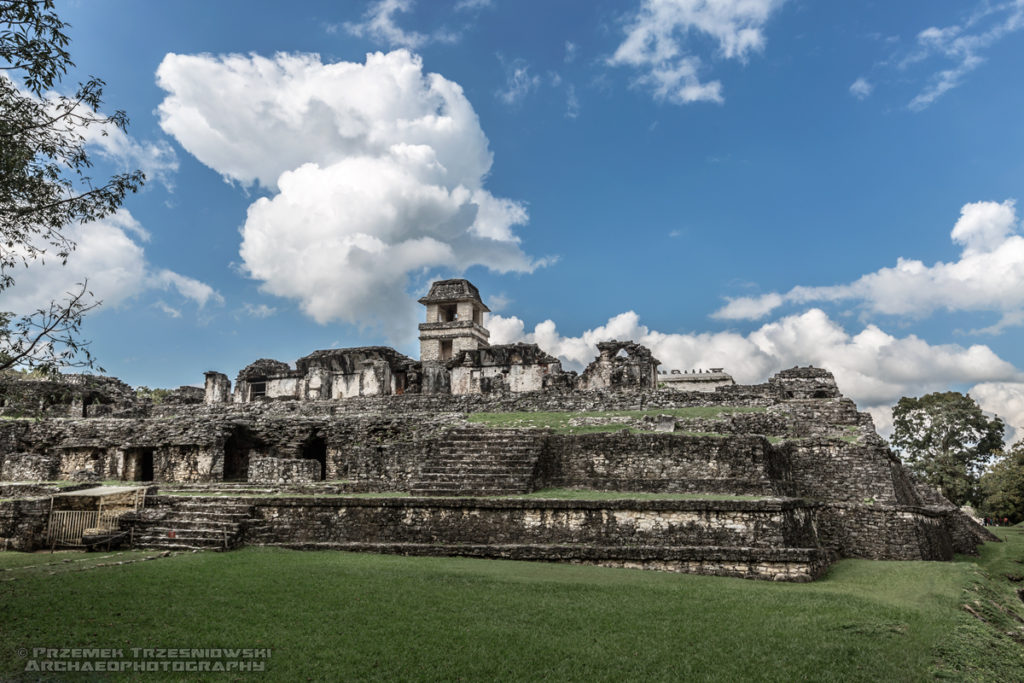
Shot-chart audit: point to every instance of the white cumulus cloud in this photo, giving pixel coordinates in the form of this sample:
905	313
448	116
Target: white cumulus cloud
109	256
1005	399
861	88
988	276
377	170
658	42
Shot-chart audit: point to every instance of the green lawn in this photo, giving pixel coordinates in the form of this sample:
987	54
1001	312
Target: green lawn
559	421
339	616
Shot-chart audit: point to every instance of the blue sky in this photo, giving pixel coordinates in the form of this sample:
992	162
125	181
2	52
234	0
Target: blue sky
751	184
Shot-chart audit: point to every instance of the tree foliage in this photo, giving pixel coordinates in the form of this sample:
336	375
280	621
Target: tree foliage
945	439
1002	486
45	186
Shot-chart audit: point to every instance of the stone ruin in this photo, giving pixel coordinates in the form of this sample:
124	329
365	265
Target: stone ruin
697	380
791	475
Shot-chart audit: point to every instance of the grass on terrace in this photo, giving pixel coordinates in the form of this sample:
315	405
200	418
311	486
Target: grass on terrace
559	421
340	616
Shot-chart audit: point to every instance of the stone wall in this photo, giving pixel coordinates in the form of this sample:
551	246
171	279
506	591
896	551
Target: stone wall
749	524
22	523
886	532
664	463
264	470
28	467
834	469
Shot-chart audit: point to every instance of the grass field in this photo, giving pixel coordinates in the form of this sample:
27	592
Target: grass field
340	616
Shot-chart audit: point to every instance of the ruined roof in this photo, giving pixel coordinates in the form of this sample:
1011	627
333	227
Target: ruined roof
504	354
346	360
810	372
451	291
262	369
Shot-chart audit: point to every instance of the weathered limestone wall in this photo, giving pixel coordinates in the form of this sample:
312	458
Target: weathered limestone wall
28	467
217	388
264	470
833	469
283	387
22	523
751	524
664	463
886	532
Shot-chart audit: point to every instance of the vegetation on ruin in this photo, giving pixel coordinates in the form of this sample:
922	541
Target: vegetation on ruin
341	616
605	420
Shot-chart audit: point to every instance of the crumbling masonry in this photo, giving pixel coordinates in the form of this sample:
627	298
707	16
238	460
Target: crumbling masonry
792	475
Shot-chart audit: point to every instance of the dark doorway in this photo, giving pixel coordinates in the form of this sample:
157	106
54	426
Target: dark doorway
138	464
236	455
315	448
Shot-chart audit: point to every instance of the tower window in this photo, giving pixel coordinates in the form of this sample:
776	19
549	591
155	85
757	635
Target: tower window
447	314
446	349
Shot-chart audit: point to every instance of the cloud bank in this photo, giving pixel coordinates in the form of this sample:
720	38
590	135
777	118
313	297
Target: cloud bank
376	173
988	276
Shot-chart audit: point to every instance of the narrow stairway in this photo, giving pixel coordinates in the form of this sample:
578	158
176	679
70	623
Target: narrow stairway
192	523
481	462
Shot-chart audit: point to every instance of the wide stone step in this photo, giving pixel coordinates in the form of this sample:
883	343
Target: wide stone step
191	531
511	471
471	479
440	485
208	520
212	503
779	564
465	493
192	523
492	446
480	458
180	543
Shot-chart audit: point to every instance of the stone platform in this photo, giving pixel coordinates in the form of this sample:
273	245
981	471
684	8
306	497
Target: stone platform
765	539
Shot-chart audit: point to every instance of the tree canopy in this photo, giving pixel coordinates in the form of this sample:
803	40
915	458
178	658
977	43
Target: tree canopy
946	440
1002	486
45	186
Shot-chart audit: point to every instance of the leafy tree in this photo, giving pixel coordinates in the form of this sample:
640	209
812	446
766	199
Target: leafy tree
945	439
45	186
154	395
1002	486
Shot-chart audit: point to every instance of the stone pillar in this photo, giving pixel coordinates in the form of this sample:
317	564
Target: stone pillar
218	388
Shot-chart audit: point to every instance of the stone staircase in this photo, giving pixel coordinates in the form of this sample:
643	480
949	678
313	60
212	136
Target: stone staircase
189	523
481	462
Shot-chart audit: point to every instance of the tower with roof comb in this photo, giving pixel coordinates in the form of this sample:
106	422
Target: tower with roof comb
455	321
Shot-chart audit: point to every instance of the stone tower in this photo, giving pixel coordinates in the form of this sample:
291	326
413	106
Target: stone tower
455	320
